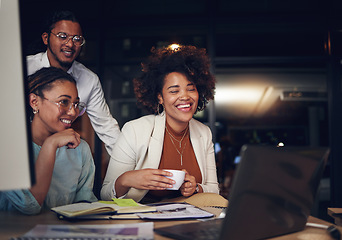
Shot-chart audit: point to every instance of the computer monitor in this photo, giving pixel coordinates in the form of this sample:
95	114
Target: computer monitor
16	158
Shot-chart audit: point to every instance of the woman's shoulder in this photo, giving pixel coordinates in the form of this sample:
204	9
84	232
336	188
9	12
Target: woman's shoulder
84	144
199	129
141	123
137	131
83	149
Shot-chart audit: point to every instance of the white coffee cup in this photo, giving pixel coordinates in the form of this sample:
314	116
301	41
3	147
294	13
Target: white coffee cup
178	176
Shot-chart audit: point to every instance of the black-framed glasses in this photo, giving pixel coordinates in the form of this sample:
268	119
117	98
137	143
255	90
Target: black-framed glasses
77	39
65	106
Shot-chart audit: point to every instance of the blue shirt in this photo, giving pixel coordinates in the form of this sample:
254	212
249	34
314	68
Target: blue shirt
72	181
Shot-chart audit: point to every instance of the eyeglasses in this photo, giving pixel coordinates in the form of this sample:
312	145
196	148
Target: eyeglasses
77	40
66	105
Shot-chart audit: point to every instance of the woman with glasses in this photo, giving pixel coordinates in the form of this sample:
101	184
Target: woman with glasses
63	161
175	83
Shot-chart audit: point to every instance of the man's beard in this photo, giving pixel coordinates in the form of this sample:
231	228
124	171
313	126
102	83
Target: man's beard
63	64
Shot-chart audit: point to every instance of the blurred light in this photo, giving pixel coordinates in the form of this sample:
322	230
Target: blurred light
281	144
238	95
174	46
217	147
237	159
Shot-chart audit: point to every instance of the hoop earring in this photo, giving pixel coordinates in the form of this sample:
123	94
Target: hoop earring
35	111
201	109
203	103
158	109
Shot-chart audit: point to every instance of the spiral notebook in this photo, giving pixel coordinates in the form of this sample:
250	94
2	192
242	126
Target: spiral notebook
272	194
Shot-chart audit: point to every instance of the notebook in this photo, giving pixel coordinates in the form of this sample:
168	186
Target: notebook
272	194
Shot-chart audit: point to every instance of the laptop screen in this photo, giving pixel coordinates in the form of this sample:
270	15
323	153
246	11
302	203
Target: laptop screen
272	194
273	191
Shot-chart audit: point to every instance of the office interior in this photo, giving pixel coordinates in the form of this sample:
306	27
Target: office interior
277	65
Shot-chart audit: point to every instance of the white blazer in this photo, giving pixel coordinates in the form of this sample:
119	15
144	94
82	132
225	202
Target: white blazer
140	146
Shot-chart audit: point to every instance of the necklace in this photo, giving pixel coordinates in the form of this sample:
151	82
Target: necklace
180	143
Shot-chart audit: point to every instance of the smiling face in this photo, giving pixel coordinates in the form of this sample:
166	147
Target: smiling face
180	99
61	54
49	118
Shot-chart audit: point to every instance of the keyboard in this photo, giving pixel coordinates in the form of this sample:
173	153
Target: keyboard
208	230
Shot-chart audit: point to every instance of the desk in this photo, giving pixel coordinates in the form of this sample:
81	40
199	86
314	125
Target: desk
15	224
336	214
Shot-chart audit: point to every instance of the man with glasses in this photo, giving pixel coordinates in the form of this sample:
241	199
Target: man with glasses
64	40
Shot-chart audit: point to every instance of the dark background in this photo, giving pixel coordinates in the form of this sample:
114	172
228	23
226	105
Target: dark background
264	37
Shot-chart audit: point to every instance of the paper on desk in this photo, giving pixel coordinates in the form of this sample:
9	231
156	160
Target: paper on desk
176	211
134	231
125	202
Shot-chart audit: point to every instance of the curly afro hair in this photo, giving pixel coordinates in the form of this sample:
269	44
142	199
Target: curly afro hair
189	60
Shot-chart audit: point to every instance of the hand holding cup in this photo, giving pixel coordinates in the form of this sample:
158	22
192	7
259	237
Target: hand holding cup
177	176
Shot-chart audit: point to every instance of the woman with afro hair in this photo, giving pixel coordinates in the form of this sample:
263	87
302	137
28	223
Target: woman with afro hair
175	83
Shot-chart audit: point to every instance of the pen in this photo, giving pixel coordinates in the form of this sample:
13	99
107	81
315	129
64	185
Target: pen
174	210
332	230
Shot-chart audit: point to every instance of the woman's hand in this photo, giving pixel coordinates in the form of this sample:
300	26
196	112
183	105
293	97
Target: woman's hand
46	160
66	137
189	186
148	179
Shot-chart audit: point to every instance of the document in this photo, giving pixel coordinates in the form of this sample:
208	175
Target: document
166	211
176	211
134	231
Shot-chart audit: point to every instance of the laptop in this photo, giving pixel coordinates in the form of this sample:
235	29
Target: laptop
273	192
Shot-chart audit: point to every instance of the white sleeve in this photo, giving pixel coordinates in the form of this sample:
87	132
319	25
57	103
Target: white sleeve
105	126
210	183
123	159
90	91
